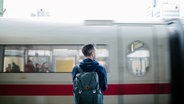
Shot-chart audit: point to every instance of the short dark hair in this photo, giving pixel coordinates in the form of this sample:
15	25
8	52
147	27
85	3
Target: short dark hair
29	61
88	49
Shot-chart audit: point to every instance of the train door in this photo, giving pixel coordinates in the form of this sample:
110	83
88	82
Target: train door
162	61
137	64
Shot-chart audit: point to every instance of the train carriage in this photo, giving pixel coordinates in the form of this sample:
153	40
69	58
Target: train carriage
135	54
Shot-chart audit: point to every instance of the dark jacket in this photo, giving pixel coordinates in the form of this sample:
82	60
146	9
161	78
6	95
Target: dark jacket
88	65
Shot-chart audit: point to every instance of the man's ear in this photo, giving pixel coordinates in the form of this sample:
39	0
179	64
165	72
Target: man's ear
93	54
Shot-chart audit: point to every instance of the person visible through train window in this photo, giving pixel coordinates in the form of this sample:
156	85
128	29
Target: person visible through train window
45	68
8	69
37	67
29	67
90	64
15	67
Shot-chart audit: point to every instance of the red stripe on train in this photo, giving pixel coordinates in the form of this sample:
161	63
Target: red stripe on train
66	90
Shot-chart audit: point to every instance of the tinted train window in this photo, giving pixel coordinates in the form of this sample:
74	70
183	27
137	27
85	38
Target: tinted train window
47	58
138	58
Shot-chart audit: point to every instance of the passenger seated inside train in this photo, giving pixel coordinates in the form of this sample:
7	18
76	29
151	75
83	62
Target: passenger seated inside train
8	68
37	67
15	67
29	67
45	68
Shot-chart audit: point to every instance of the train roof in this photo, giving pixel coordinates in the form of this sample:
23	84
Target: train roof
46	20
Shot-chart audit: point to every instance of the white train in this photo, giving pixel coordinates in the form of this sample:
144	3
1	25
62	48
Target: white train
136	55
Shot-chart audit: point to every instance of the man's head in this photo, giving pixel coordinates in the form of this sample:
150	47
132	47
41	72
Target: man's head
89	51
29	62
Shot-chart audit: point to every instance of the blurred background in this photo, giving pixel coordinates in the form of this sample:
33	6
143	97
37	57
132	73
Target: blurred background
79	10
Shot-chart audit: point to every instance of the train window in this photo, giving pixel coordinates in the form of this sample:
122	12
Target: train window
138	56
47	58
16	57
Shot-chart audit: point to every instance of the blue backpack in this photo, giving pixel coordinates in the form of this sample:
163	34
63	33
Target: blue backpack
86	88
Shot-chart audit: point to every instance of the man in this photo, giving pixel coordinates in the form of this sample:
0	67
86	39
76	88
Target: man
29	67
15	68
89	64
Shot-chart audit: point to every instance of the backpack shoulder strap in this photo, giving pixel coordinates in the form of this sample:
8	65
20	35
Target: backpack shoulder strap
80	69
